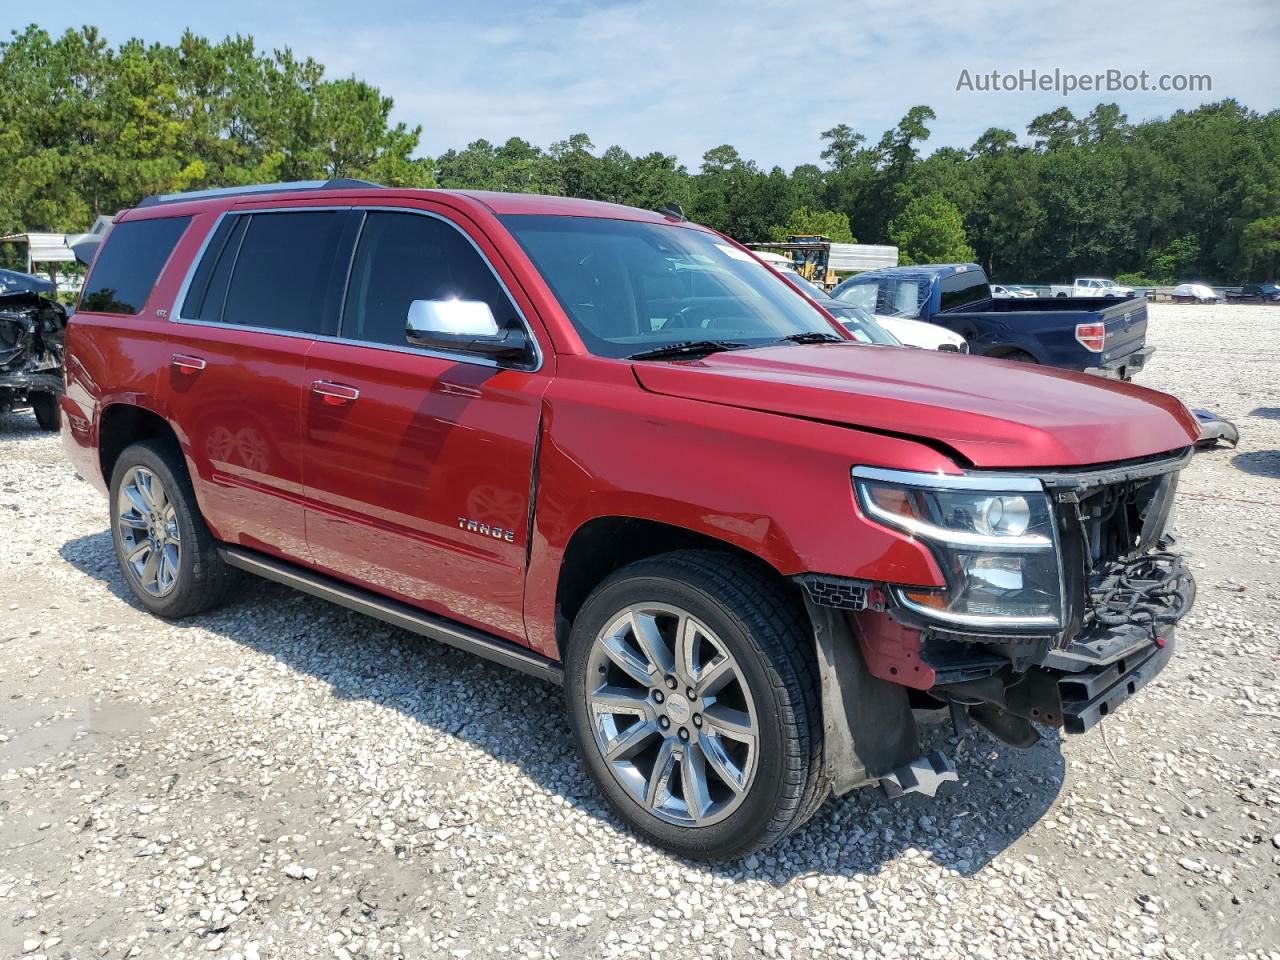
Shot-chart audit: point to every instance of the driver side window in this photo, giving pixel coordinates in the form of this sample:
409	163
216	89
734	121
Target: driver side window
402	257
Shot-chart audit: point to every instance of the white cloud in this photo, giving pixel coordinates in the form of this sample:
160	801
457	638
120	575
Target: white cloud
682	77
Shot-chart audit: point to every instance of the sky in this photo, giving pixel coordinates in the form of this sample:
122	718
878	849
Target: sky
767	77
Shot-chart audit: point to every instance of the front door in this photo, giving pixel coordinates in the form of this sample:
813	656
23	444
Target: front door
418	464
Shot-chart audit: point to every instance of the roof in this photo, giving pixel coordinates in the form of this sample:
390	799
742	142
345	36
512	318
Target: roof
356	191
514	203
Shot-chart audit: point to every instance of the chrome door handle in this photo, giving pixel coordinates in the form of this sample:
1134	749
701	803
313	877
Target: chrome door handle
335	393
187	363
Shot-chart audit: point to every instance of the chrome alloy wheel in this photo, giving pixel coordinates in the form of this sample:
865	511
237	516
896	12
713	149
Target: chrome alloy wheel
672	715
149	531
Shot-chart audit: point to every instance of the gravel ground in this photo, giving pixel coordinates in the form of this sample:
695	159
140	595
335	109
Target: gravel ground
285	779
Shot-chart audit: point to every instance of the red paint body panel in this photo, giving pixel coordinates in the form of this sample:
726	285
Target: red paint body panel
115	361
245	457
390	475
994	413
774	486
752	448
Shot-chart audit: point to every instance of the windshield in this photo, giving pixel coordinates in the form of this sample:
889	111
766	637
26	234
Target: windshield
632	287
807	286
863	326
885	296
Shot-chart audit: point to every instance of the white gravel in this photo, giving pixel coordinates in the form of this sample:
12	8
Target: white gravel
285	779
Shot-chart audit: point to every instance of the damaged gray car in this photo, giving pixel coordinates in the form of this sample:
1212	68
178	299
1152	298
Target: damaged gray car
32	329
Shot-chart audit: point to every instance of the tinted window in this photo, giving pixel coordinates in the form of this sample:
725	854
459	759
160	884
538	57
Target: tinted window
283	274
129	263
404	257
962	289
208	290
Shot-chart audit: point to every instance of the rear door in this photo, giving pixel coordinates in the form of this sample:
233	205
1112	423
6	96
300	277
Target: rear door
265	287
419	463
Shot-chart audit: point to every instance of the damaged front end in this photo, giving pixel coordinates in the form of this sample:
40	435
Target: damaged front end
1061	598
32	333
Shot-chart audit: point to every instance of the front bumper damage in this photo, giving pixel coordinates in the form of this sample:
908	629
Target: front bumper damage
879	659
1134	607
32	330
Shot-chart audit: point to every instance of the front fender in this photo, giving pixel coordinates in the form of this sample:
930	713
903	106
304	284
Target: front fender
774	486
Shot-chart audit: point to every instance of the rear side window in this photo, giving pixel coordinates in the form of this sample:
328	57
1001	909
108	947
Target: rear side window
961	289
208	291
404	257
130	261
275	271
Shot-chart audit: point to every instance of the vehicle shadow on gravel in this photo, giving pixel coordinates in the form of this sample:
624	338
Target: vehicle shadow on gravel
1260	463
1268	413
17	425
521	721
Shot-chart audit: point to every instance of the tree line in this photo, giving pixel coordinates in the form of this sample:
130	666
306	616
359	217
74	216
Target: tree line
87	128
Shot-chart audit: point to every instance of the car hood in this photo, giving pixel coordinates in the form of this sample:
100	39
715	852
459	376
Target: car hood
994	414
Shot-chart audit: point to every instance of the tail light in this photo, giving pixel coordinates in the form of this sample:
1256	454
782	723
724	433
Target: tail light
1092	336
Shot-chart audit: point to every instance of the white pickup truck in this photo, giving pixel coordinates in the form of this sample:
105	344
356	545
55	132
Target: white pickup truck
1091	287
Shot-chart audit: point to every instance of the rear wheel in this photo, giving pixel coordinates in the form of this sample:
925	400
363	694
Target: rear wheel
165	550
45	406
693	696
1020	355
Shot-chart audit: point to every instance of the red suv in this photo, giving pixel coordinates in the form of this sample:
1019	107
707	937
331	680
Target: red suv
613	449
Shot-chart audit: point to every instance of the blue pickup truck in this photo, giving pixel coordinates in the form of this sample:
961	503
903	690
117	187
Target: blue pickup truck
1099	335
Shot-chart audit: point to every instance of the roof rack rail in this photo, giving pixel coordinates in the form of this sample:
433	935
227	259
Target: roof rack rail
338	183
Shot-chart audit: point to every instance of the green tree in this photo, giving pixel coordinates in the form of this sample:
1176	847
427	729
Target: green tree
842	147
1261	247
1174	262
930	230
1054	130
86	129
805	222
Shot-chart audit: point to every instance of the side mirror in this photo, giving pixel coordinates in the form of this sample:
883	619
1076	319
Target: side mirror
462	325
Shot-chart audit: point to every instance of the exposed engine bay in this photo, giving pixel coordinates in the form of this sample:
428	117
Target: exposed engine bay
1124	591
32	333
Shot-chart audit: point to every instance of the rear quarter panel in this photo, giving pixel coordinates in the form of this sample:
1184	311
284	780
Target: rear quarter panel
118	359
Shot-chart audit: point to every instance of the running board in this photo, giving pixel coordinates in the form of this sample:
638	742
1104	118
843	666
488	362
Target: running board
394	612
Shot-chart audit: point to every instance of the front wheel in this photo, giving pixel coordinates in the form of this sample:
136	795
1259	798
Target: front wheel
693	696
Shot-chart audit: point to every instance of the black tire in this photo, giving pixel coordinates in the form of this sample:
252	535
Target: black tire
203	577
45	406
768	634
1020	355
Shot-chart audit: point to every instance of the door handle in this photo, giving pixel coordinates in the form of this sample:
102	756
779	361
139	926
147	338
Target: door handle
185	363
335	394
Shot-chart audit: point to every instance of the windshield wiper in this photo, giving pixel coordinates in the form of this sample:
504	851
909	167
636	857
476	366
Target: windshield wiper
813	336
686	348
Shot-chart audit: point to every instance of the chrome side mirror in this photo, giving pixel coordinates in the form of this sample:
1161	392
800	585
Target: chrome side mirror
462	325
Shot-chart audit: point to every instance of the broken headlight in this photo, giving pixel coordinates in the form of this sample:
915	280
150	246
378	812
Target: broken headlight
993	537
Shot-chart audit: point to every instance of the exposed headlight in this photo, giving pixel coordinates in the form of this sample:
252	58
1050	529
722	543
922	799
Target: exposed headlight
994	539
